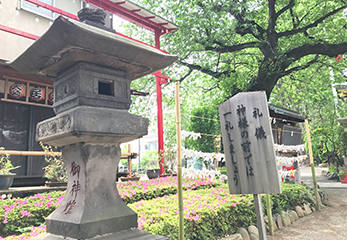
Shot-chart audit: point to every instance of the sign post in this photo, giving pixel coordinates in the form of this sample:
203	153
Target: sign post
249	149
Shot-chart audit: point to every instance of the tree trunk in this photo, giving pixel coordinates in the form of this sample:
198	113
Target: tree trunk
267	77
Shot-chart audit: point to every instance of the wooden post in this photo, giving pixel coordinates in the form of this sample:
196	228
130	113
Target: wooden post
260	218
318	201
6	88
179	163
129	158
269	213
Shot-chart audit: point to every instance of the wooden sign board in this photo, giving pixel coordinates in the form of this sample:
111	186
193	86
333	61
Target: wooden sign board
248	144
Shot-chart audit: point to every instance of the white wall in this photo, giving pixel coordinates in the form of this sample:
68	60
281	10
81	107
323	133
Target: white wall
11	45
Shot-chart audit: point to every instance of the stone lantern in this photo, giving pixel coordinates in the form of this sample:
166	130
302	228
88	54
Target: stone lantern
93	68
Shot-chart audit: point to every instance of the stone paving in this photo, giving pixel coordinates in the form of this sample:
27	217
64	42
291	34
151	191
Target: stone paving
322	181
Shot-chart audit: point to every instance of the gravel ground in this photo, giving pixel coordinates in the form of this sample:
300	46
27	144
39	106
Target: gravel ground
328	224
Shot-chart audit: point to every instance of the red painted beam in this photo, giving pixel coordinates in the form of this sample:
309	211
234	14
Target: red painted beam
34	37
159	109
158	74
54	9
130	16
132	39
18	32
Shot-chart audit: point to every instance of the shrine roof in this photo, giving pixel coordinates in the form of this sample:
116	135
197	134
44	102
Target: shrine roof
285	113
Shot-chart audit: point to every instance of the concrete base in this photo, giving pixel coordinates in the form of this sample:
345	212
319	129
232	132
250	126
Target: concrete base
131	234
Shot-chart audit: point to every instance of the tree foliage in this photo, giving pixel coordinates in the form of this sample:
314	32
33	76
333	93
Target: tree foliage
311	94
248	45
284	47
205	121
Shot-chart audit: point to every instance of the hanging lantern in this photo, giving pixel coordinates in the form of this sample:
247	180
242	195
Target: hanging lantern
37	94
51	97
17	90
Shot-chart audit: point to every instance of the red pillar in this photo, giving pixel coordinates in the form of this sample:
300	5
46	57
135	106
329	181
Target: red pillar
159	112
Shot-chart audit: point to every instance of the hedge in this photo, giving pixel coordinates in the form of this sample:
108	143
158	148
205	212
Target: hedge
292	195
132	192
20	213
209	213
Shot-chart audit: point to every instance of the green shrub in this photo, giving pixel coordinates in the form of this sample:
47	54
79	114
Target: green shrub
209	212
332	168
132	192
18	213
292	195
230	211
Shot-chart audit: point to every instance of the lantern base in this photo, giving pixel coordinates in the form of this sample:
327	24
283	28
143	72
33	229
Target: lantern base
92	205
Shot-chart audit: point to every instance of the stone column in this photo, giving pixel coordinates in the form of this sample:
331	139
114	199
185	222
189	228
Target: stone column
92	205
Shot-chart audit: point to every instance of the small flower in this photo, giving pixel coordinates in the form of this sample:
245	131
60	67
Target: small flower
25	213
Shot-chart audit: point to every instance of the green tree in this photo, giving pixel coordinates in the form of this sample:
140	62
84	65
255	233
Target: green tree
284	47
205	121
249	45
150	160
310	93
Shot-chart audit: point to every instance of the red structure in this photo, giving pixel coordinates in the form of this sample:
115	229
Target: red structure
288	169
344	180
137	15
18	32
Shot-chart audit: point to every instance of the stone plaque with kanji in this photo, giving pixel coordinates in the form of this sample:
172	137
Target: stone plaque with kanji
248	144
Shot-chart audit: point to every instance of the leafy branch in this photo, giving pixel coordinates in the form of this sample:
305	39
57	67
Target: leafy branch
314	24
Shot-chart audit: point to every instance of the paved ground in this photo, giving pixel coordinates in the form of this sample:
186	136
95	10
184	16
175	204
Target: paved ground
328	224
323	182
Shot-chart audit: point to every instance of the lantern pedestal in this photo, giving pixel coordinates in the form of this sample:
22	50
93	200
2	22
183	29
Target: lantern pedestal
92	205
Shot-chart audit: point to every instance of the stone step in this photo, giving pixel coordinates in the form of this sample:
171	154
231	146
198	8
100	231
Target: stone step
131	234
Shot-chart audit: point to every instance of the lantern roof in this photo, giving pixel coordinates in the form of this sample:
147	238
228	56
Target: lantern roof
68	41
